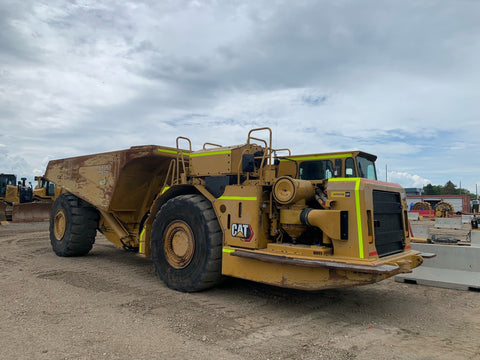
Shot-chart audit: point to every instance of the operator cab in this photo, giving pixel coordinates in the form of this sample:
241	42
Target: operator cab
330	165
5	180
43	183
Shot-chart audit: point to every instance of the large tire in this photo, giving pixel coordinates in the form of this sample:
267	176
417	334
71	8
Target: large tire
73	226
186	244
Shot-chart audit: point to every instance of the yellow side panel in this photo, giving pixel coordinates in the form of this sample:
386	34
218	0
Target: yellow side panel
240	217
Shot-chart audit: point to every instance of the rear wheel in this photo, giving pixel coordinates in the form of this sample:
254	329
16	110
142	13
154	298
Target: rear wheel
186	244
73	226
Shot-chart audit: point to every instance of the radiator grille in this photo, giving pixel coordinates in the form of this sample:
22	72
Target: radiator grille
388	224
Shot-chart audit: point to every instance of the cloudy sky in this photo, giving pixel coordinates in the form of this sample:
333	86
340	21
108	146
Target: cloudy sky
400	79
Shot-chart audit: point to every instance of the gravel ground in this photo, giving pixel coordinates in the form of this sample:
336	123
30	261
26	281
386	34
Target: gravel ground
111	305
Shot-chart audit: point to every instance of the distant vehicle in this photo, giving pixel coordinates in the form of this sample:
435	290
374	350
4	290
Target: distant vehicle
18	202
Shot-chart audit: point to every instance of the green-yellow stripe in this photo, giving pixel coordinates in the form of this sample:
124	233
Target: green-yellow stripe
246	198
358	211
196	154
140	246
359	219
165	189
211	153
339	179
169	151
317	157
228	250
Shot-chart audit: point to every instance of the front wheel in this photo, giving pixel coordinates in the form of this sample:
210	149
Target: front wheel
186	244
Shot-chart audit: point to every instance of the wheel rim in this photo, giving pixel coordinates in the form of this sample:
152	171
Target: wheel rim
179	244
59	225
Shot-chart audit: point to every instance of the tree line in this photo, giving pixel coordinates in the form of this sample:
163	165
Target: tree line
448	189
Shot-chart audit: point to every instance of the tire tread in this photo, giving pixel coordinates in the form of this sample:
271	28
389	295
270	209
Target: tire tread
81	235
211	273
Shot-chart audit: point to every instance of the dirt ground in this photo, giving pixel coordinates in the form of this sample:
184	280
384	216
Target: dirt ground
111	305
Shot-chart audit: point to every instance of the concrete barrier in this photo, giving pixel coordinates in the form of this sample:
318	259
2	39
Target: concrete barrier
448	223
419	231
475	239
424	213
466	219
413	216
454	267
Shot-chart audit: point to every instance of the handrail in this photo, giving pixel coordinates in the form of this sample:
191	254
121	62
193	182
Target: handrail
276	150
170	172
260	129
268	146
184	138
262	140
208	143
181	157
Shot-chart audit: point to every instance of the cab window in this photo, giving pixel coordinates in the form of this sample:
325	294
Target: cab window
317	170
49	186
350	168
366	168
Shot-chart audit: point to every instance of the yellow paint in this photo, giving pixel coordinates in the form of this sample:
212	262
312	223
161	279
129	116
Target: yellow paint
338	194
358	211
228	251
165	189
140	246
293	276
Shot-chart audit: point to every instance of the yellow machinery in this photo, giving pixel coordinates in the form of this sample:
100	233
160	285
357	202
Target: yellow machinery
45	190
7	181
300	221
422	205
443	209
19	202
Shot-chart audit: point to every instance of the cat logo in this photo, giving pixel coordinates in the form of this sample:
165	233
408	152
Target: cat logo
243	231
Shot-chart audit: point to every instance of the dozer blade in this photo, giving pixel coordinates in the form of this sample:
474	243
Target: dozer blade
3	207
31	212
5	212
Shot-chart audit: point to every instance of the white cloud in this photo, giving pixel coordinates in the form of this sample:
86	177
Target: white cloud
398	79
407	180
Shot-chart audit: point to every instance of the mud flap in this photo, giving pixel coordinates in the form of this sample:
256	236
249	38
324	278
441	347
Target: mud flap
31	212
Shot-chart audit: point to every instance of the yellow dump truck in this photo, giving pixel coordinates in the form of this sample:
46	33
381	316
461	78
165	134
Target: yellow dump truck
308	222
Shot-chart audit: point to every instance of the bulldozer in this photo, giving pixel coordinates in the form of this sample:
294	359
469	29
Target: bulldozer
6	181
248	211
45	190
19	202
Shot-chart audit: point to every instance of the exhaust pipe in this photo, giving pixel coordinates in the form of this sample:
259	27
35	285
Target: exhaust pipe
332	222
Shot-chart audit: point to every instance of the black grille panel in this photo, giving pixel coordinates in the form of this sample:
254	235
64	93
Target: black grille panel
388	223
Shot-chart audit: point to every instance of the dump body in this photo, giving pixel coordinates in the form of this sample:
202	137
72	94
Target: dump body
306	221
112	181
